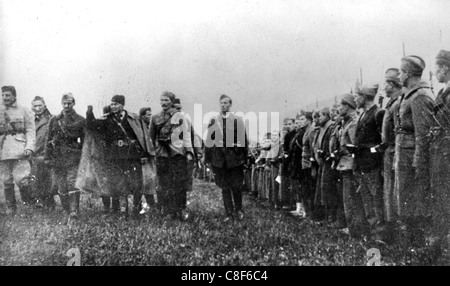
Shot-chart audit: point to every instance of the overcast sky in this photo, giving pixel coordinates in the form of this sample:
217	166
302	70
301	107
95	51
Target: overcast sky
267	55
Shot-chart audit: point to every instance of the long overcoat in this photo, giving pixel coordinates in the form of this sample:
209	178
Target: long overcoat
440	162
412	151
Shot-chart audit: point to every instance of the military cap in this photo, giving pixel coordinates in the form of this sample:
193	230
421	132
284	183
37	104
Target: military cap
368	90
68	96
392	75
413	64
349	100
38	98
325	110
10	88
118	99
443	57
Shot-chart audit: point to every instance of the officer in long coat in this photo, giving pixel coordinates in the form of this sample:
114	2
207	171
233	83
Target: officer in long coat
440	154
326	195
226	149
393	89
17	139
412	153
63	153
127	148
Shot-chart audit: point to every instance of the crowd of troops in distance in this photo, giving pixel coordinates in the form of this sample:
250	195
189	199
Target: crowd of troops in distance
370	172
373	173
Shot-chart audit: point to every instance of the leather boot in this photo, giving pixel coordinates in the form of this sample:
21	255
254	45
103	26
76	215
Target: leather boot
74	204
25	195
106	204
65	202
49	203
123	205
115	205
10	198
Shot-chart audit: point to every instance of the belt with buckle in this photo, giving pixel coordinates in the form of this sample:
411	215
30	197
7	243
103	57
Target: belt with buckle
121	143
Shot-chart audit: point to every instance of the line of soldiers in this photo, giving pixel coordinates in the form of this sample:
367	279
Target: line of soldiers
371	172
114	156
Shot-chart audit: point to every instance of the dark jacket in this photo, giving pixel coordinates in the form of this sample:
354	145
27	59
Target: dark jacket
220	153
368	135
295	154
65	139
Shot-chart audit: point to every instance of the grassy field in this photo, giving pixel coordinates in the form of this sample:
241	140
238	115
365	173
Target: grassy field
264	237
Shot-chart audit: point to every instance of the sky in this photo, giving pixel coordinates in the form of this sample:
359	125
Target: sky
267	55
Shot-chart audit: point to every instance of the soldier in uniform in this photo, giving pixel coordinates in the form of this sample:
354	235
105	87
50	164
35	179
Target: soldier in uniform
412	153
127	147
42	187
393	89
63	153
226	150
170	131
440	155
368	159
17	139
326	200
353	205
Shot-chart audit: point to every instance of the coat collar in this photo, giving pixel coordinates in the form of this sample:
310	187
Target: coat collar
44	119
394	98
367	114
410	90
441	98
71	115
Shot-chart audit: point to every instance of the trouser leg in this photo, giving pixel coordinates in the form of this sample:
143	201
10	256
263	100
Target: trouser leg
227	201
10	198
237	198
74	193
115	204
150	199
106	204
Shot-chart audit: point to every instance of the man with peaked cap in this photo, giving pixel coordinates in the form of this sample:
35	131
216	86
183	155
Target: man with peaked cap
393	90
412	149
353	206
226	149
42	186
128	147
63	153
440	155
326	197
368	160
17	139
170	132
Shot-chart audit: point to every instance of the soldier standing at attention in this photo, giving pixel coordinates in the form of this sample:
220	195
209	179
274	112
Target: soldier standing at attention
17	139
63	153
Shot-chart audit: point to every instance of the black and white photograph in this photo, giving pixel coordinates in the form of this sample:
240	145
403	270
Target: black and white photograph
260	133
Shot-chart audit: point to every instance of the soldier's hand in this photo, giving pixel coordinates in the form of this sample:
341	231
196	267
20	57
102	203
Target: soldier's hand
27	153
189	157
